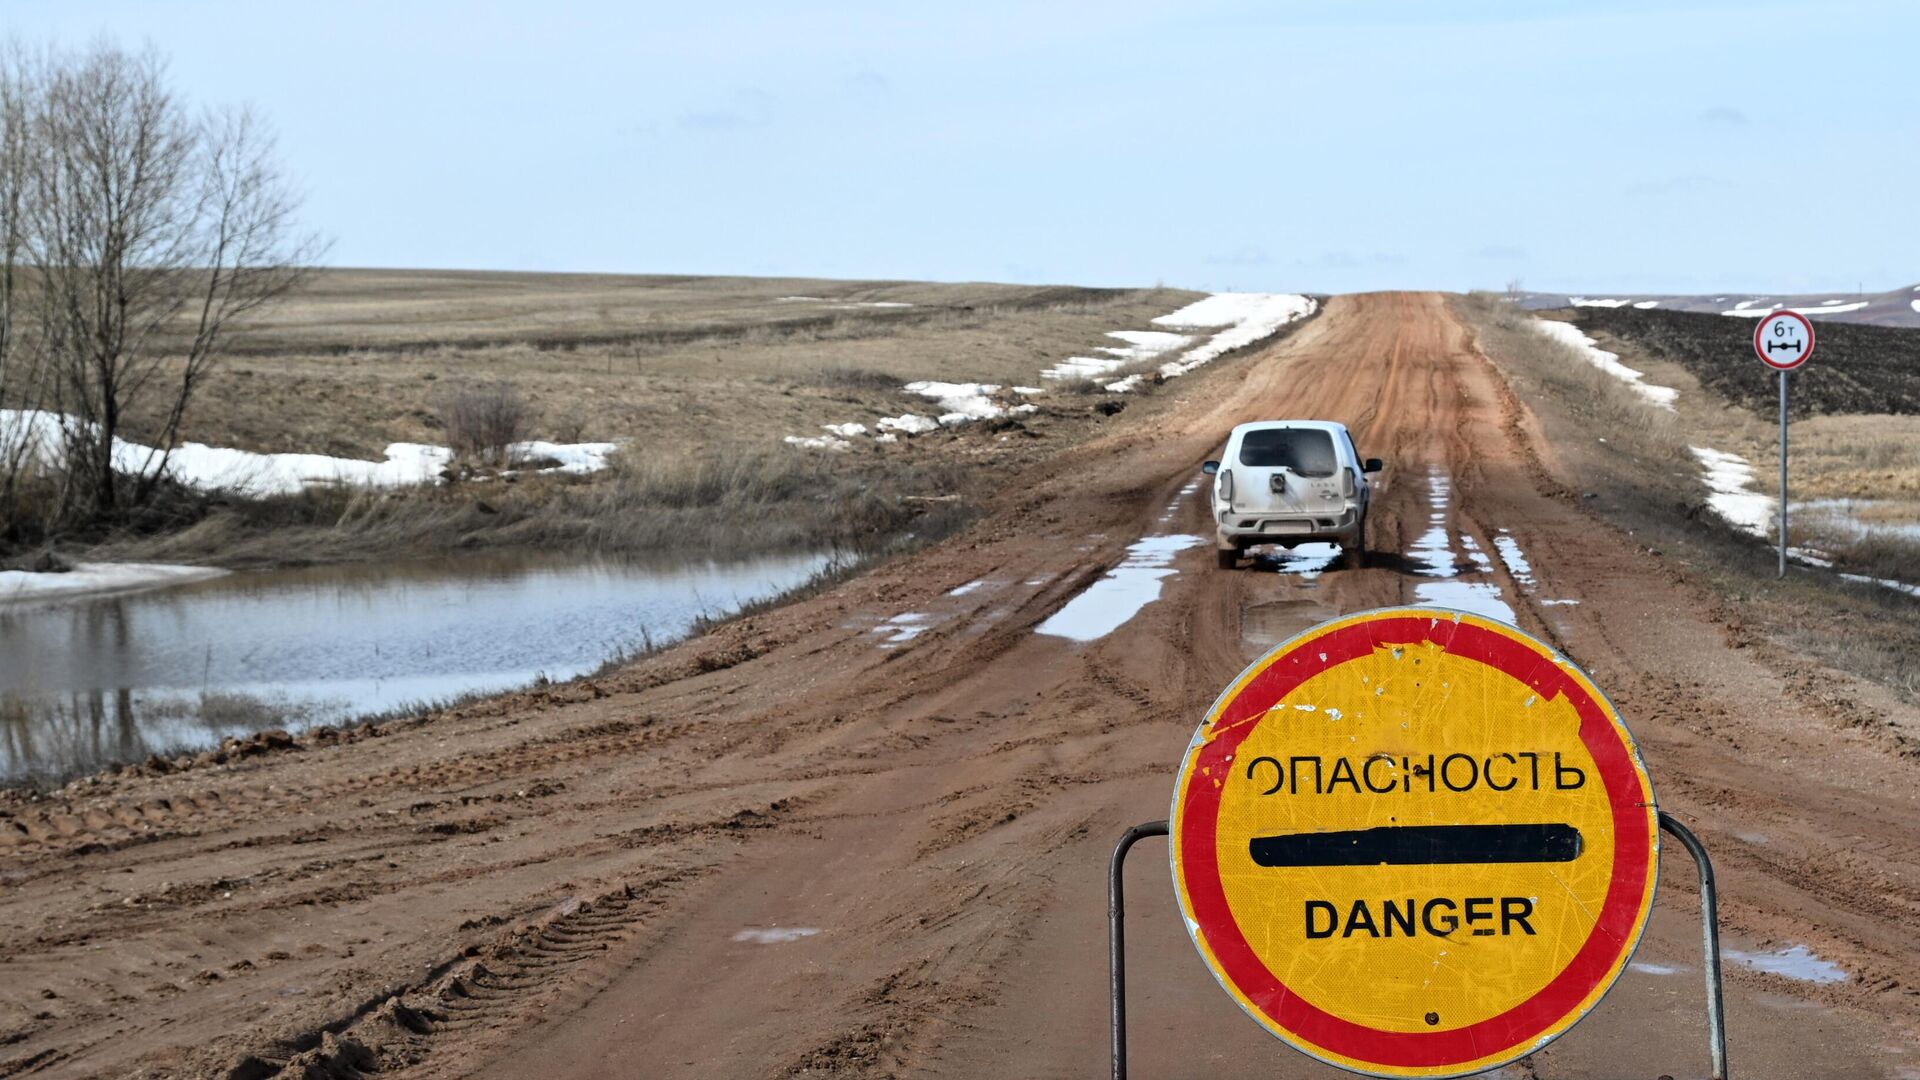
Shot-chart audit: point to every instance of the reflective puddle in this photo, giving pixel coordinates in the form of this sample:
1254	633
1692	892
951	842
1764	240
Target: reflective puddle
92	681
1794	962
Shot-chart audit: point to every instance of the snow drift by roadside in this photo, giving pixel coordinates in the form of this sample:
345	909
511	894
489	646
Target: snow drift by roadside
214	468
1236	319
1571	336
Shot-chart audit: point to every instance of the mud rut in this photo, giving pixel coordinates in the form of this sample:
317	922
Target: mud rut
614	878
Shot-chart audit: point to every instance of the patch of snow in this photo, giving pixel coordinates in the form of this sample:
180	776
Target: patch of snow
571	457
776	935
1647	305
1028	391
1728	479
797	299
1570	335
1795	962
1558	603
212	468
1126	385
846	431
90	579
908	424
1885	583
876	303
1244	317
818	442
1140	345
1110	602
1753	313
1645	968
1581	301
1915	303
889	437
962	590
1023	410
966	401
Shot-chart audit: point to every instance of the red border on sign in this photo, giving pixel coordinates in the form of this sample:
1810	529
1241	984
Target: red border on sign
1613	931
1760	351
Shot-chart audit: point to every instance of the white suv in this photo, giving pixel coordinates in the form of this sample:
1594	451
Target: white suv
1291	482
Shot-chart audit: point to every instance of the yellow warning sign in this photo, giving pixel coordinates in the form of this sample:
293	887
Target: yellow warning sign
1414	842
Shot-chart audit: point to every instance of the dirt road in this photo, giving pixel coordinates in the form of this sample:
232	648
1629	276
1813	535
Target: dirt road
867	834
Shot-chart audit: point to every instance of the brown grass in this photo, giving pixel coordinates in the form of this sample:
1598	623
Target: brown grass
1636	471
700	377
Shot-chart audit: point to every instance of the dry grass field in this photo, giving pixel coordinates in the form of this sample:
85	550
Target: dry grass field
699	378
361	358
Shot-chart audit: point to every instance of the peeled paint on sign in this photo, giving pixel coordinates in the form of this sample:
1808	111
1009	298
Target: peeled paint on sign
1414	842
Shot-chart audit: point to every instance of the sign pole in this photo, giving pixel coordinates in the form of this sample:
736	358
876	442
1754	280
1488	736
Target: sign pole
1783	341
1783	474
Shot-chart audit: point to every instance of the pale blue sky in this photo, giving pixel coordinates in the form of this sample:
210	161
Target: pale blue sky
1329	146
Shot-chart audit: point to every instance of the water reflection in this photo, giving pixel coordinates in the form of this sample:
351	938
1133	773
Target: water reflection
95	680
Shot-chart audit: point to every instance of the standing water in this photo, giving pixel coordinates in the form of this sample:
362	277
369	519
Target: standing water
92	681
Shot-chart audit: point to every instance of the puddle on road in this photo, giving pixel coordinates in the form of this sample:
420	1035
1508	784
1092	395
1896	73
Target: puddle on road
902	628
1110	602
1262	626
774	935
1306	562
1514	558
1434	551
91	681
1645	968
1794	962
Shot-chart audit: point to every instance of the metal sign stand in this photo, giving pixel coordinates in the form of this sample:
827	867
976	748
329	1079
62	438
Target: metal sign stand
1783	473
1709	902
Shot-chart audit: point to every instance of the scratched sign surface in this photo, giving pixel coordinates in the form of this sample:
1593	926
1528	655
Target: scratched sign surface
1414	842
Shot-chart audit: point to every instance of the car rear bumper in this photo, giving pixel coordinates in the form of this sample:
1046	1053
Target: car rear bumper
1288	530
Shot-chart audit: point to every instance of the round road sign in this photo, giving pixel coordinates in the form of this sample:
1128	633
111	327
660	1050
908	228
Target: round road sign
1414	842
1783	340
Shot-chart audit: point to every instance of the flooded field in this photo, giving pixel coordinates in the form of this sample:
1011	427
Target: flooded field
86	682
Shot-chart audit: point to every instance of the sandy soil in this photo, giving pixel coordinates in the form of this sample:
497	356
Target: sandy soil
617	877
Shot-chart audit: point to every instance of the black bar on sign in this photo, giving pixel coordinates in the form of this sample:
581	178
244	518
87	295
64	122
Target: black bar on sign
1420	845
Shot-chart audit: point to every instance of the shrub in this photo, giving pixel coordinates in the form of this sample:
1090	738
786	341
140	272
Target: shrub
483	422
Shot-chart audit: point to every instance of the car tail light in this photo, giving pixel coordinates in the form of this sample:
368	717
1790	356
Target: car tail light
1346	483
1226	486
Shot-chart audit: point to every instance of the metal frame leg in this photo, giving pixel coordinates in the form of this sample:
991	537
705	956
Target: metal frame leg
1117	939
1709	942
1709	923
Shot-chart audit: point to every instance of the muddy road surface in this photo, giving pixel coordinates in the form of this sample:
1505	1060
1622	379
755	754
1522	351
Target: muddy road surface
866	834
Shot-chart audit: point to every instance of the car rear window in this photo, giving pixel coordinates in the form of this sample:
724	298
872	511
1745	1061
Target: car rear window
1305	451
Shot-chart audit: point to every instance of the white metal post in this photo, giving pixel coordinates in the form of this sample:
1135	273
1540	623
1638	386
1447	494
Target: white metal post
1783	473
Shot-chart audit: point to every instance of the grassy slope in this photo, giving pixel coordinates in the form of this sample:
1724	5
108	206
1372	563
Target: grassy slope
1633	468
702	377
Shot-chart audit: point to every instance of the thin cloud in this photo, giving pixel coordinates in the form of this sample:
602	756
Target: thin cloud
1724	116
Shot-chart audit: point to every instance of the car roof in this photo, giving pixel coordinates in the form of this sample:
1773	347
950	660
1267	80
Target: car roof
1331	426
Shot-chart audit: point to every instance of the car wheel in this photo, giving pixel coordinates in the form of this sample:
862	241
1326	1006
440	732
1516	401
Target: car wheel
1227	558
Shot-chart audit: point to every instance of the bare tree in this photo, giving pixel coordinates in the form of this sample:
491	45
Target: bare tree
148	231
18	368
